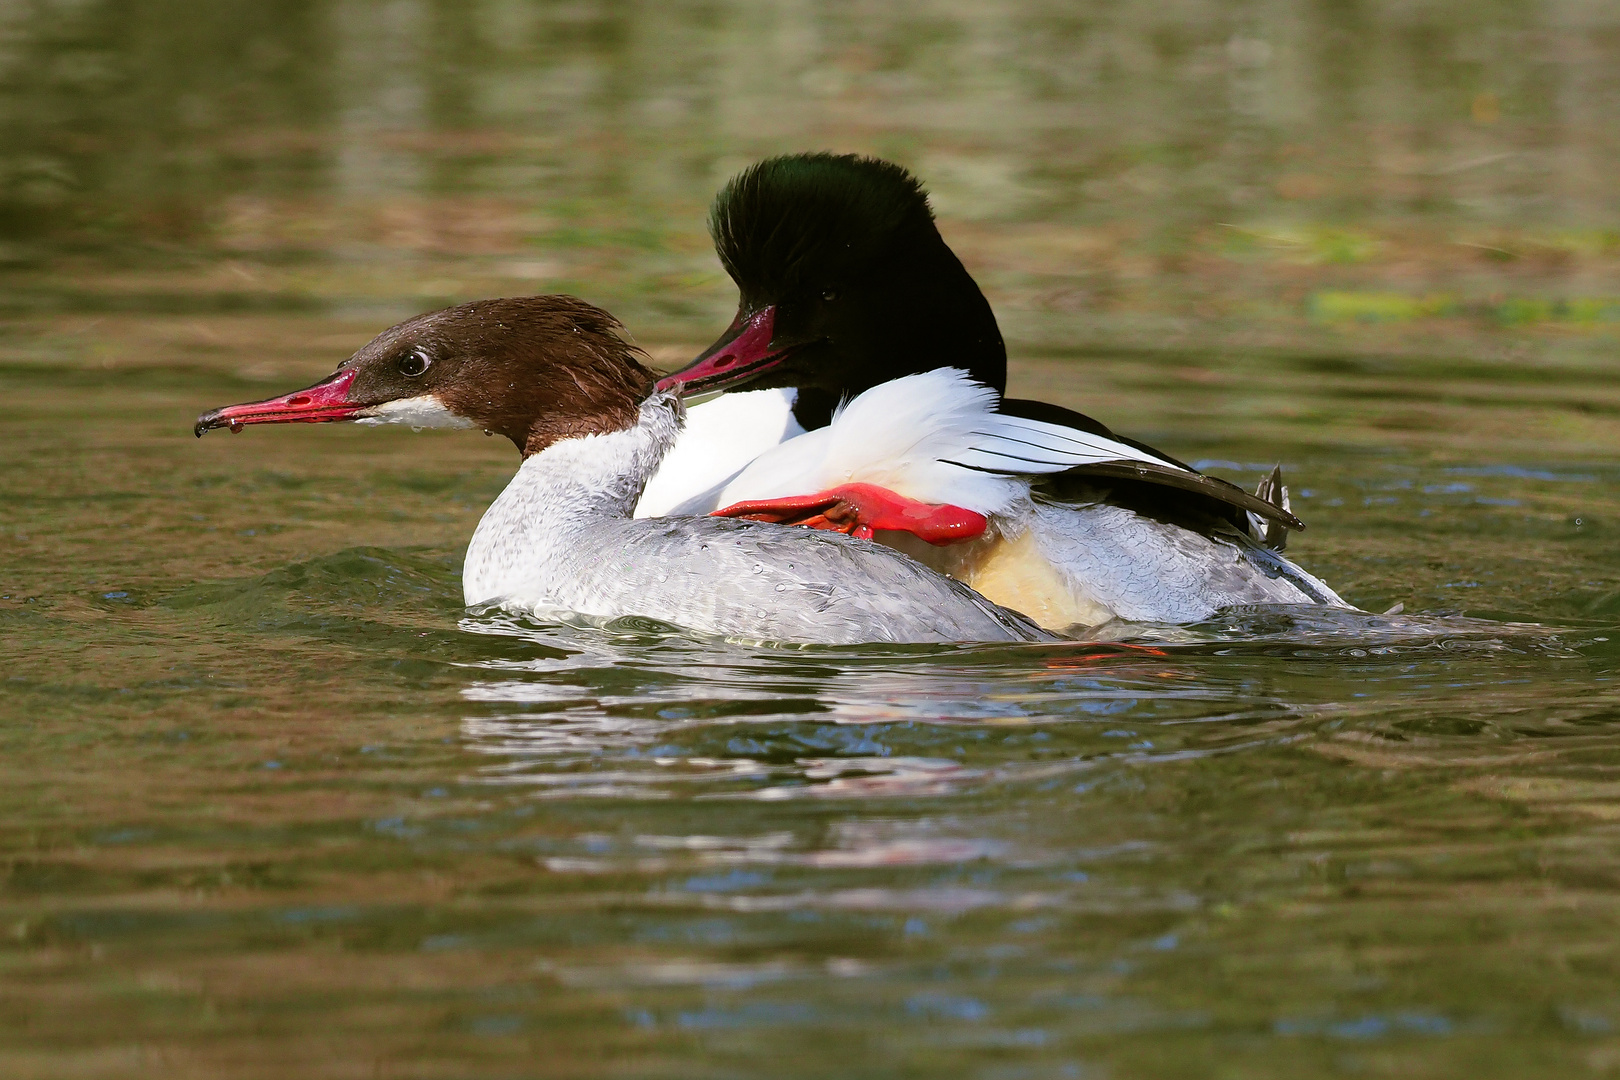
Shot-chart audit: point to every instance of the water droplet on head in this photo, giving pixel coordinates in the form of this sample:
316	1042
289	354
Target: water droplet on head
759	568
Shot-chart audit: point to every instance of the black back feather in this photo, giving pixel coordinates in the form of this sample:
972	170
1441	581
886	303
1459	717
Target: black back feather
1210	494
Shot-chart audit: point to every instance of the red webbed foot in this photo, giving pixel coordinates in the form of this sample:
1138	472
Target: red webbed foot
862	509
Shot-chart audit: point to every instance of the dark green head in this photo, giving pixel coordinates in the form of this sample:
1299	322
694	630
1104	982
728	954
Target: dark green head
816	220
844	282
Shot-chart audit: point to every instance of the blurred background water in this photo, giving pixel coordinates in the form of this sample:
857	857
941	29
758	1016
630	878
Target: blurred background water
1146	172
273	804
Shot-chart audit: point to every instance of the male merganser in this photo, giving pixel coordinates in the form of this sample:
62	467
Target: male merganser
845	285
553	374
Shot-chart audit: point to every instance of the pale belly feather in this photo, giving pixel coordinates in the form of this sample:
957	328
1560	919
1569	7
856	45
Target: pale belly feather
1014	573
1084	565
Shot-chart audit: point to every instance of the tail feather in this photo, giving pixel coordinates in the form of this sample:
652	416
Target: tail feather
1268	531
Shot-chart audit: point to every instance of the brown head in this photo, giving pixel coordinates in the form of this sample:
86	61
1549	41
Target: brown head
536	369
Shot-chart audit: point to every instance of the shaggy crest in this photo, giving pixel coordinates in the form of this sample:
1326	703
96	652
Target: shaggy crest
800	219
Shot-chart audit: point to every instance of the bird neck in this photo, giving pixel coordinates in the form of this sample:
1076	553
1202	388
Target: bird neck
559	493
926	312
955	326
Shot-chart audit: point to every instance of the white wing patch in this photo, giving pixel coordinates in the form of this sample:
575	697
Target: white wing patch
934	437
1013	444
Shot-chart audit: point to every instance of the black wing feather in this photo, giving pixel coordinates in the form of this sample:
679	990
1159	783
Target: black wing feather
1177	475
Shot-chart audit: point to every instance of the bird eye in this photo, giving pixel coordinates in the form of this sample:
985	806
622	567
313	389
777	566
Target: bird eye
413	363
829	295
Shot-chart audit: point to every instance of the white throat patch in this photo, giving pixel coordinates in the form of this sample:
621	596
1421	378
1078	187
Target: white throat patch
419	412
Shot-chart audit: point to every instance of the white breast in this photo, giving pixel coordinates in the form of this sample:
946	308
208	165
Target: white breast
720	439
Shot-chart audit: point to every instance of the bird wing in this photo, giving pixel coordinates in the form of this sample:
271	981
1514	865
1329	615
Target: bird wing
938	437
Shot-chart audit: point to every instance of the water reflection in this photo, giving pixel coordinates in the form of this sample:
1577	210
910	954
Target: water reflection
618	838
675	719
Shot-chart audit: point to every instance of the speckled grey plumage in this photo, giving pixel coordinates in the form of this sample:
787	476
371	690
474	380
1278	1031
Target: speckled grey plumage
561	537
1146	570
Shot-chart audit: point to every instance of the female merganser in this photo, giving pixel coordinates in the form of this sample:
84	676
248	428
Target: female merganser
553	374
846	285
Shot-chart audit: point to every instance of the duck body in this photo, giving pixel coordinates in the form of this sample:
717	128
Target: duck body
848	293
554	375
1057	548
561	536
1077	565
